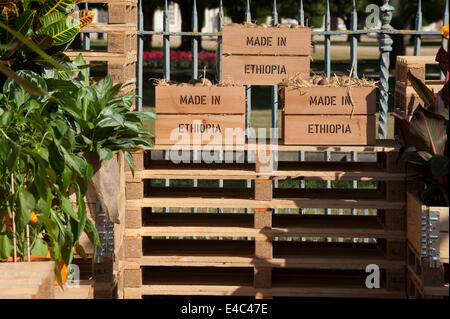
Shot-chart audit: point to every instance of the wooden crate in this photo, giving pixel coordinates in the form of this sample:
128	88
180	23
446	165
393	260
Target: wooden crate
161	258
238	39
200	115
329	129
424	223
329	116
264	56
262	69
415	64
329	101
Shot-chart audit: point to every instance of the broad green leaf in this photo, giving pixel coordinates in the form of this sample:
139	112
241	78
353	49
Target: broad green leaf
92	234
8	17
6	118
6	247
104	154
27	203
33	47
24	83
129	158
40	248
62	31
51	18
50	6
24	21
43	41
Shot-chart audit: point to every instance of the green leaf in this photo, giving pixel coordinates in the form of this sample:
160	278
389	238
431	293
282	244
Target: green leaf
43	41
6	118
8	17
439	166
51	18
33	47
129	158
40	248
27	203
62	31
104	154
24	21
27	85
12	158
6	247
63	6
92	233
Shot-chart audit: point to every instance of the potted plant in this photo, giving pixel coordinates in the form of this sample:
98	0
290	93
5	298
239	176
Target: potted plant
40	167
424	138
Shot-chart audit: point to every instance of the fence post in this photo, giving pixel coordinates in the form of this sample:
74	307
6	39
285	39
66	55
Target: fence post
327	41
417	38
140	58
385	50
444	41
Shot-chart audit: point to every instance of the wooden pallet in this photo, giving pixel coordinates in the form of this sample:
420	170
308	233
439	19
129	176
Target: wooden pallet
423	281
259	263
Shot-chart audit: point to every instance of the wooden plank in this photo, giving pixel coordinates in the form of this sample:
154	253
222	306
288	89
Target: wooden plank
329	130
100	26
240	39
200	202
262	70
330	101
379	146
209	290
200	129
200	100
284	225
286	170
103	56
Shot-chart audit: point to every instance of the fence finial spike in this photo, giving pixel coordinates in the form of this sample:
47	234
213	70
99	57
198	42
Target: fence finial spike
274	13
248	16
354	5
419	6
301	14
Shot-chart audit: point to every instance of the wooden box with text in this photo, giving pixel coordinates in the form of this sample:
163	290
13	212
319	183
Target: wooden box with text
329	115
264	56
200	115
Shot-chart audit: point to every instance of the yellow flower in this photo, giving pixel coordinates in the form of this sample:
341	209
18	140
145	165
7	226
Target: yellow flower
444	31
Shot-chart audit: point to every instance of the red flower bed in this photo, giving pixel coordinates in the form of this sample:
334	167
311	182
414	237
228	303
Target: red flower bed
179	59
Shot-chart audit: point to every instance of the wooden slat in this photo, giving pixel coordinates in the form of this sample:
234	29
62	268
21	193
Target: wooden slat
203	253
284	225
103	56
380	146
200	202
208	290
99	26
286	170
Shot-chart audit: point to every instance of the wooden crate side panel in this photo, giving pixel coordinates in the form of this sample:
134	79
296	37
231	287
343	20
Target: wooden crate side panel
187	129
238	39
262	70
200	100
329	130
414	221
324	100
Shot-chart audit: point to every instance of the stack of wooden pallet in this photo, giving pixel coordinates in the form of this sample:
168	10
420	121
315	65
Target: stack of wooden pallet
230	241
406	98
120	55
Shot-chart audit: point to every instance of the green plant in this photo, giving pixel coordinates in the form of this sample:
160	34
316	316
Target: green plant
98	114
36	32
424	136
39	169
